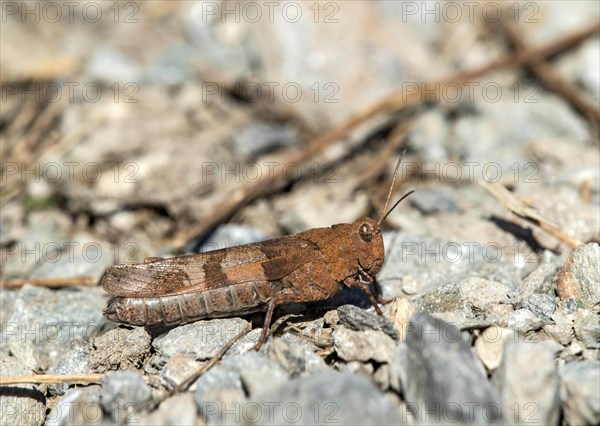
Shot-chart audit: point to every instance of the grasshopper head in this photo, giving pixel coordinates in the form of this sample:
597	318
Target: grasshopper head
368	243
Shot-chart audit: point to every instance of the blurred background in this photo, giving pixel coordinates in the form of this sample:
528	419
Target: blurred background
149	128
133	121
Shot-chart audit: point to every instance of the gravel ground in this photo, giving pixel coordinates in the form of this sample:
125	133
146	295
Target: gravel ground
177	106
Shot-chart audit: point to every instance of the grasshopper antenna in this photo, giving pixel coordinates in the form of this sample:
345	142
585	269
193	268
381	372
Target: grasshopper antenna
383	214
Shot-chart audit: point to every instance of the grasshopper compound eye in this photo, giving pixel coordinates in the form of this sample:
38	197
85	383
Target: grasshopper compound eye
366	232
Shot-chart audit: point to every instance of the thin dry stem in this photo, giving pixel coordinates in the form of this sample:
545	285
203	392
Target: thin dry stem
51	379
48	282
516	205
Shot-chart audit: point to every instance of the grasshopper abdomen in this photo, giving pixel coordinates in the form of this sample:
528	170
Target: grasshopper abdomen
232	300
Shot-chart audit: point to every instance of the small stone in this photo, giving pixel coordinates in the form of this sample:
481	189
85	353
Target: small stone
258	372
366	345
421	367
579	276
295	358
332	318
542	305
587	328
200	340
178	369
251	372
489	345
78	406
74	360
562	329
541	280
176	410
358	319
124	393
246	343
120	349
579	390
527	373
446	298
221	376
482	293
52	319
434	200
331	398
524	320
570	304
22	404
221	406
23	350
401	311
499	313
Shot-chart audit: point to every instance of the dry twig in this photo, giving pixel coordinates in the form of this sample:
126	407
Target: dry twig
48	282
51	379
516	205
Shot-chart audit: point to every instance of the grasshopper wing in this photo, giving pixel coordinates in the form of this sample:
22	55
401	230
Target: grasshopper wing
264	261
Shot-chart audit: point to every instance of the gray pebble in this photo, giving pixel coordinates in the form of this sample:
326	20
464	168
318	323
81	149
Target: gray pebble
358	319
250	372
587	328
541	280
331	398
52	319
200	340
177	410
482	293
366	345
524	320
259	373
562	329
579	390
74	360
124	393
22	404
78	406
434	200
542	305
178	369
295	358
528	382
24	351
441	377
446	298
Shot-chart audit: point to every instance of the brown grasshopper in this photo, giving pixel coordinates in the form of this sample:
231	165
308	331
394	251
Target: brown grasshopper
304	267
